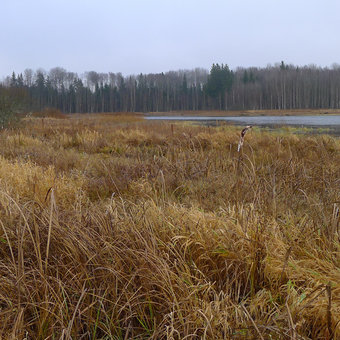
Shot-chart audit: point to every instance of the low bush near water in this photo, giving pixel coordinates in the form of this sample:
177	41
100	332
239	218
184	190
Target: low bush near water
49	112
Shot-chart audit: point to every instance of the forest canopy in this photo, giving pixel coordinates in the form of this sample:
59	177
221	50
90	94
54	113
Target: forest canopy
280	86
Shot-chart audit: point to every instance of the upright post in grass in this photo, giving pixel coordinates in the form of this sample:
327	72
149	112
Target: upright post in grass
243	133
239	151
240	144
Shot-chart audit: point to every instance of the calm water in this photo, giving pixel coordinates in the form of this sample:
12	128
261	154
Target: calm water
311	121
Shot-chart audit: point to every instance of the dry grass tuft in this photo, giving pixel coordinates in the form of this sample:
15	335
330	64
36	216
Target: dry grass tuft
49	112
116	228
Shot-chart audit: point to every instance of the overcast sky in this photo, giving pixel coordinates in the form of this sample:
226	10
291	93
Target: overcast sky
134	36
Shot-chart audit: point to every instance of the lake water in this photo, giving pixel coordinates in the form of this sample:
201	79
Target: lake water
332	121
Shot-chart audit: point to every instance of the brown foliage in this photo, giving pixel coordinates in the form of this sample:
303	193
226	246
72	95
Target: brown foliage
49	112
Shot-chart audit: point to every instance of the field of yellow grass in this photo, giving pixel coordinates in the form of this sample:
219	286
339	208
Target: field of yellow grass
112	227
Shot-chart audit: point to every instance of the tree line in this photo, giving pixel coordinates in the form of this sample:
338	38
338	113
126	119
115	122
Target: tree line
279	86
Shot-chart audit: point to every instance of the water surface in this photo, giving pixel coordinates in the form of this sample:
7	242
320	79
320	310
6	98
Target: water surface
312	121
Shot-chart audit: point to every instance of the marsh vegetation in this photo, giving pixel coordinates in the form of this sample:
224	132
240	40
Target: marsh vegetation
112	227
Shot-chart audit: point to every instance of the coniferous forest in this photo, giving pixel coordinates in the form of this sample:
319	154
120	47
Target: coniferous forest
281	86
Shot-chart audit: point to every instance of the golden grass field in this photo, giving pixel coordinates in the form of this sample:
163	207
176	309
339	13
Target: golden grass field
113	227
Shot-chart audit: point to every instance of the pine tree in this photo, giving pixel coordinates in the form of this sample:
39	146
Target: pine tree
13	82
219	83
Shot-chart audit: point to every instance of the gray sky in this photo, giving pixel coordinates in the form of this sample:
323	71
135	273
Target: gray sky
132	36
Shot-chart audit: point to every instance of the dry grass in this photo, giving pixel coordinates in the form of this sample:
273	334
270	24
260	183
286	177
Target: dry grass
116	228
49	112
